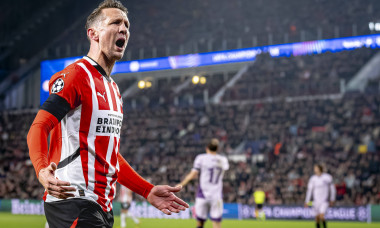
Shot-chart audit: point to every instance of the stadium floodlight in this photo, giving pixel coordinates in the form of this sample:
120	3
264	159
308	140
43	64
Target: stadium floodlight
148	84
203	80
141	84
374	26
195	79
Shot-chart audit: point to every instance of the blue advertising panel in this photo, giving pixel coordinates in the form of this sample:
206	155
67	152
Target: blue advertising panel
230	211
50	67
354	213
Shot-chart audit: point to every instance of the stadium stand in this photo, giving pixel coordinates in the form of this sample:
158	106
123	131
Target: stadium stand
299	75
178	90
162	144
16	170
187	26
306	130
267	77
271	143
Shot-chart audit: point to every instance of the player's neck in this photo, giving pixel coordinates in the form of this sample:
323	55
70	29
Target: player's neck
102	60
212	153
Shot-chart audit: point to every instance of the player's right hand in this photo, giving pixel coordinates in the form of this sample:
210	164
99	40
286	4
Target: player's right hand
162	197
54	186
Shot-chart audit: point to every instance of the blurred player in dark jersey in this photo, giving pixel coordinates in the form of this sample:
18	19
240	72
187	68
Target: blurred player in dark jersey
83	116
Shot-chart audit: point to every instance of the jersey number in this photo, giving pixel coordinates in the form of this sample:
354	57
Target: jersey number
218	172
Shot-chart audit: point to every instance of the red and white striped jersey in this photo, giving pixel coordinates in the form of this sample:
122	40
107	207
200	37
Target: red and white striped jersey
85	144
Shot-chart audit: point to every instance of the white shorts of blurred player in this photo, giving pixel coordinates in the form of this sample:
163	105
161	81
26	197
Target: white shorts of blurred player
204	207
320	207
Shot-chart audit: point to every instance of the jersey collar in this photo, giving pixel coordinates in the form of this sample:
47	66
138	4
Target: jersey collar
97	67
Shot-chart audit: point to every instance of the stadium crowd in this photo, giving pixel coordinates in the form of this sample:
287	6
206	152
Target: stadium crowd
298	75
171	27
276	143
195	25
17	176
291	136
303	75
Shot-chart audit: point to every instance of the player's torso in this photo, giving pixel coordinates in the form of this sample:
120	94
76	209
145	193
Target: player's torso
321	187
259	197
90	136
211	176
322	181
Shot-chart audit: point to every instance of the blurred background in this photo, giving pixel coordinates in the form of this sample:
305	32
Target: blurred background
282	84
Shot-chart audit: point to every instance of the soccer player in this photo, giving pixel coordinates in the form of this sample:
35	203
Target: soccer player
321	187
211	167
125	199
259	197
83	116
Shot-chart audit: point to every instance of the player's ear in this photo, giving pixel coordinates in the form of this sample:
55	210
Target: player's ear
93	34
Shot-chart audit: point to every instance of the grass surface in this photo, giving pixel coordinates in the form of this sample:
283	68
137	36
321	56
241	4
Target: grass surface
8	220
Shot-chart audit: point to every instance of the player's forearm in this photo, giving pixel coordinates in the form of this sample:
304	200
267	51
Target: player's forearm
308	196
188	178
132	180
333	193
185	181
37	139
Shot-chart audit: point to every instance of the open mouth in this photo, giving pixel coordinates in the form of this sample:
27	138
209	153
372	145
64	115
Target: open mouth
120	43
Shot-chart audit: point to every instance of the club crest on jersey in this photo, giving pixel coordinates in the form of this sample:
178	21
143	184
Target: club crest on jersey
57	86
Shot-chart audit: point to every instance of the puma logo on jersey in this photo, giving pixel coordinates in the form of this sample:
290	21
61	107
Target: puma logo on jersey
64	74
101	95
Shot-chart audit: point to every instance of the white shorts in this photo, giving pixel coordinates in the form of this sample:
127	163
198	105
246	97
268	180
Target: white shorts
320	207
204	207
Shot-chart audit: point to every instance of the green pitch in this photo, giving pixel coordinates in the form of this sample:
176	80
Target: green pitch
34	221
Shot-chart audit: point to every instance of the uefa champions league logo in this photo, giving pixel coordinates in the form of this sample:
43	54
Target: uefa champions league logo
57	86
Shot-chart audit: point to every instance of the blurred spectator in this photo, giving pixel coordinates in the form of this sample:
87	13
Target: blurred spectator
163	146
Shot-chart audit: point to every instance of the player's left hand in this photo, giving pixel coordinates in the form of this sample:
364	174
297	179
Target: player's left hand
332	203
162	197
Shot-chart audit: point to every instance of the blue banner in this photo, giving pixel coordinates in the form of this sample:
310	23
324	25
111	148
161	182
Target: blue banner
50	67
353	213
230	211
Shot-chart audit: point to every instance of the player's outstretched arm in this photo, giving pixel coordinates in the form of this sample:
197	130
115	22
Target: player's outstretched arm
162	197
193	173
131	179
332	193
308	193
